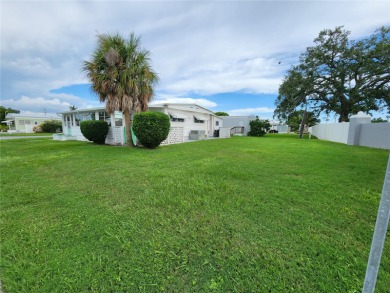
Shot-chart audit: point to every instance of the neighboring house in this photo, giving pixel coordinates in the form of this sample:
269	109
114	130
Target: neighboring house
237	124
279	127
240	124
188	121
25	122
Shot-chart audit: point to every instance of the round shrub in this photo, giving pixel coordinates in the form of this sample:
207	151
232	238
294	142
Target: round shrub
51	126
151	128
94	130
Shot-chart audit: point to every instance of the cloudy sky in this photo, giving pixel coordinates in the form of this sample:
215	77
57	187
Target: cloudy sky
224	55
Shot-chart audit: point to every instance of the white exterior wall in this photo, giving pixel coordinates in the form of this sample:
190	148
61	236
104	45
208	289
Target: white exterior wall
115	135
175	136
337	132
220	122
188	112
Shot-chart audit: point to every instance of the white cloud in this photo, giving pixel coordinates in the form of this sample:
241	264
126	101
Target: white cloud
250	111
39	104
170	99
54	104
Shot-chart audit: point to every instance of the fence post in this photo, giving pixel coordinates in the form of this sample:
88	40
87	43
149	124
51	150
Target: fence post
354	127
378	239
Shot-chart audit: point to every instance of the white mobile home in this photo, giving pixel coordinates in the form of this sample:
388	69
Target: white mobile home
188	121
24	122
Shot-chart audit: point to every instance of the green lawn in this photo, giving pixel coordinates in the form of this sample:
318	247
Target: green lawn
271	214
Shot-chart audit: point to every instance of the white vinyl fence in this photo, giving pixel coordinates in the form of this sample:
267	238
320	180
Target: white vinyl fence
359	131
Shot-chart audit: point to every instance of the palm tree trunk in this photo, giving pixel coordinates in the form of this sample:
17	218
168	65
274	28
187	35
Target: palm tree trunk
128	128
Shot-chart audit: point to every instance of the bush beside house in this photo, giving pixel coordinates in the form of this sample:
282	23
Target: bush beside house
38	129
151	128
49	126
94	130
258	127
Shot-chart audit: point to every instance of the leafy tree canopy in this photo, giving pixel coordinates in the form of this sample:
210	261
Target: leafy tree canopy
4	111
221	114
339	76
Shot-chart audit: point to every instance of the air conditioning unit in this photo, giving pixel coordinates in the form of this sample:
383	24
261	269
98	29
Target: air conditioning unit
197	134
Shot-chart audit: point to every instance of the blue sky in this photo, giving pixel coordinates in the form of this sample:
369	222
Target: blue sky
224	55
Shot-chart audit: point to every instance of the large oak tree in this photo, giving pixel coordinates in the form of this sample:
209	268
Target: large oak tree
340	76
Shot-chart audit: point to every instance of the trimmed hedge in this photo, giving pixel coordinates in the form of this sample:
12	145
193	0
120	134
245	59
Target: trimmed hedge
94	130
151	128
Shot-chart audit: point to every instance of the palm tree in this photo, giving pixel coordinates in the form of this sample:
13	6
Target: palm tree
121	75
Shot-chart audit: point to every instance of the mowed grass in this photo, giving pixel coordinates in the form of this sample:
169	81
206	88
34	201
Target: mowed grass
271	214
5	134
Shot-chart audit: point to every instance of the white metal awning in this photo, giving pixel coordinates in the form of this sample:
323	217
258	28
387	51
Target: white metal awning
178	115
199	117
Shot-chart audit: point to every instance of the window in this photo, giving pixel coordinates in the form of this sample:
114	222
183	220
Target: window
216	123
89	116
175	119
197	120
24	122
78	117
104	116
